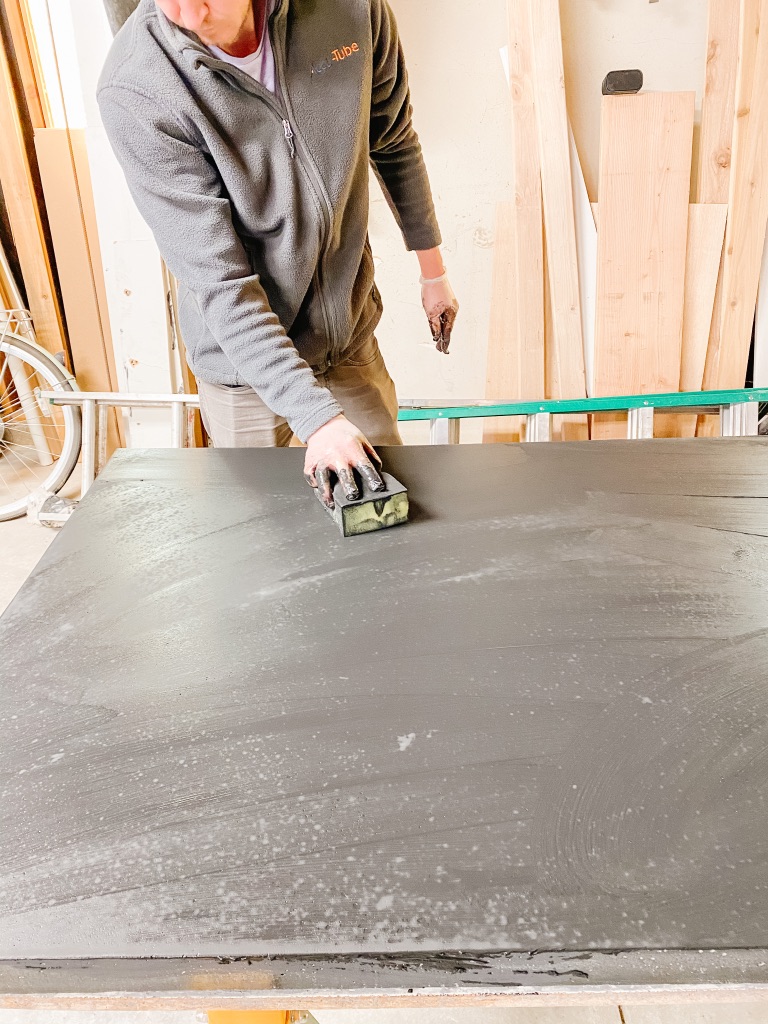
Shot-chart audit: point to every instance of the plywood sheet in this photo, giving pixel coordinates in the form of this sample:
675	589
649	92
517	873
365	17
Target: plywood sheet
645	164
248	735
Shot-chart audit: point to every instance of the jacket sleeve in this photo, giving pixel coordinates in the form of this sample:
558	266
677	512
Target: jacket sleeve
395	148
180	195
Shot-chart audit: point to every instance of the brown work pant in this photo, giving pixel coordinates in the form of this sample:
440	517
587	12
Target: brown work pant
237	417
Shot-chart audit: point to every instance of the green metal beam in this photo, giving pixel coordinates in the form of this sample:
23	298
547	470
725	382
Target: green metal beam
696	401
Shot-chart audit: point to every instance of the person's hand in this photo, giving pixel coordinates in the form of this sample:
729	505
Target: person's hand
441	307
333	453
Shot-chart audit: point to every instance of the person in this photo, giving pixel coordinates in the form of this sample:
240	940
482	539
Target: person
245	129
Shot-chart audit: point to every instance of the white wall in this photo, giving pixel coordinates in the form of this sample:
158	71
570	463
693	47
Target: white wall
462	114
461	111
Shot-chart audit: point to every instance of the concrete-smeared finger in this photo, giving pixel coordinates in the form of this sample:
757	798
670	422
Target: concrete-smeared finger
348	482
449	319
371	477
436	326
323	478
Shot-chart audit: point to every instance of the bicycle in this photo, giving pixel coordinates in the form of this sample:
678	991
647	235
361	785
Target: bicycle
39	442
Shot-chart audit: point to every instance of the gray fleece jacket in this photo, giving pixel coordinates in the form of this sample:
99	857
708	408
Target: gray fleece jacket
259	202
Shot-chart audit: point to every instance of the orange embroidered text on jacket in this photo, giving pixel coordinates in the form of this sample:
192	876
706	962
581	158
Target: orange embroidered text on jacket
345	51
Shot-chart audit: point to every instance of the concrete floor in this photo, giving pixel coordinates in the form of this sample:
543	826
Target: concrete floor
21	546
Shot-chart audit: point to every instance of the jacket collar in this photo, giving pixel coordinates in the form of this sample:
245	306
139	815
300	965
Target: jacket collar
181	40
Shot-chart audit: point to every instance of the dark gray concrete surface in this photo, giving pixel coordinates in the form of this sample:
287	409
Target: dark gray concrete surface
536	717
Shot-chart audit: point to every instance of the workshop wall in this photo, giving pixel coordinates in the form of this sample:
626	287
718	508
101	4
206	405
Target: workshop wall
667	40
462	112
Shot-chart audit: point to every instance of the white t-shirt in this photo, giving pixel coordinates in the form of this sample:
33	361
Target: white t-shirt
259	65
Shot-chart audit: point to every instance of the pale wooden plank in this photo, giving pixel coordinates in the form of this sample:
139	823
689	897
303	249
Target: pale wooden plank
563	428
693	1013
526	179
586	253
706	233
516	339
716	139
645	164
514	370
731	334
28	62
475	1015
718	105
69	202
567	378
25	219
761	326
198	438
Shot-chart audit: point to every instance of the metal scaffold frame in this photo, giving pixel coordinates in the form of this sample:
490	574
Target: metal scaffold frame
738	411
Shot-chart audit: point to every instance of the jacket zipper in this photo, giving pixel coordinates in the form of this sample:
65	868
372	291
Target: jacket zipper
288	131
313	174
306	164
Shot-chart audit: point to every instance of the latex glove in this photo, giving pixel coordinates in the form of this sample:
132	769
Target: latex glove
441	306
334	452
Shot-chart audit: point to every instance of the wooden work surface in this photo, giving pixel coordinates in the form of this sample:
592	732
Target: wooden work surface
535	718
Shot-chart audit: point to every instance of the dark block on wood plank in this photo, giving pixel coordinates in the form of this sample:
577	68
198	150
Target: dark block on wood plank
619	83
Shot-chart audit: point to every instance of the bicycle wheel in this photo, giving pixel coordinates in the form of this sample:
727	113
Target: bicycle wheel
39	442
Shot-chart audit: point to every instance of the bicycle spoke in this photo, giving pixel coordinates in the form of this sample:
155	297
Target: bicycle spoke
47	434
25	462
20	417
14	470
38	445
18	444
5	482
27	380
14	403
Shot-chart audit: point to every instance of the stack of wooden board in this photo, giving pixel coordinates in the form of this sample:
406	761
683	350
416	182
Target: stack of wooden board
536	346
657	292
46	187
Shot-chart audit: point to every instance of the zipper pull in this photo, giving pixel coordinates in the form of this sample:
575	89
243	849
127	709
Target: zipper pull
289	137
